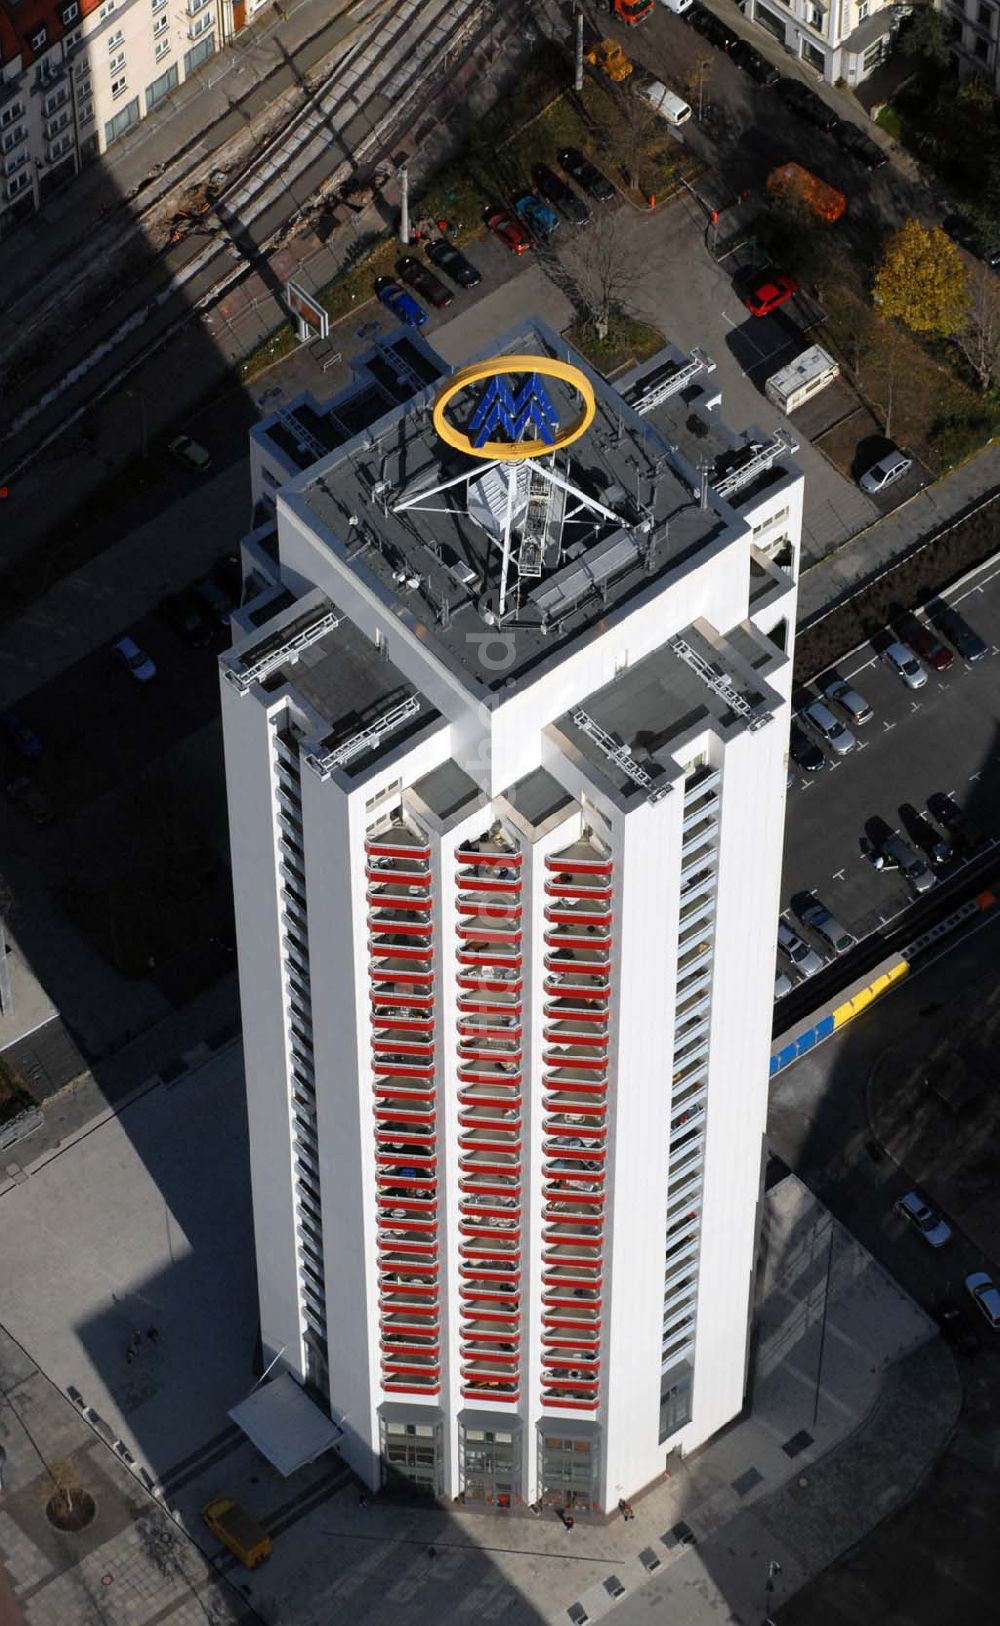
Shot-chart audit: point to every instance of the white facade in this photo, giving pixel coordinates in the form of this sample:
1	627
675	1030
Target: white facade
507	986
840	39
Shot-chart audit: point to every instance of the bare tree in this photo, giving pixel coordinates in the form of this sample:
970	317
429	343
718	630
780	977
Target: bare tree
627	125
979	339
605	271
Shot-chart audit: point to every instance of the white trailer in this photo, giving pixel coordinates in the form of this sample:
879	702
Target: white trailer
803	378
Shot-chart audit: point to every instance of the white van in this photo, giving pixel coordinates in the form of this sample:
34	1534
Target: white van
664	102
679	6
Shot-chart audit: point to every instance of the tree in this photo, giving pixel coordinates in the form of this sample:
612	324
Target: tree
922	280
605	270
979	339
924	37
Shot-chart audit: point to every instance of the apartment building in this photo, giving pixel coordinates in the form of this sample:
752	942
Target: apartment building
505	726
841	39
75	75
972	28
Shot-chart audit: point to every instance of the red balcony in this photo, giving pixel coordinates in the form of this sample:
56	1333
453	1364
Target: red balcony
380	898
387	847
492	856
581	863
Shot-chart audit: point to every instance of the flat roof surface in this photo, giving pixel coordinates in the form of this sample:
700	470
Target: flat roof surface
447	790
342	675
537	796
437	561
661	699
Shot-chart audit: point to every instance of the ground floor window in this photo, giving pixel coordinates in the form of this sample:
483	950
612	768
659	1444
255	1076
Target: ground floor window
161	87
814	57
873	56
490	1460
675	1399
567	1472
198	54
771	20
413	1452
122	121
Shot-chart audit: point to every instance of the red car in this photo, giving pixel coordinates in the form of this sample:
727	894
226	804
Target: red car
510	232
923	642
767	291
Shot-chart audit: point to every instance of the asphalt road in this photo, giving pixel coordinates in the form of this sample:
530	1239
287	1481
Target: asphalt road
942	737
934	1560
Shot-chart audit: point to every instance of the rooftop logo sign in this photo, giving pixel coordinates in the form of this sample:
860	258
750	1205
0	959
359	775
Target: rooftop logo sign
514	400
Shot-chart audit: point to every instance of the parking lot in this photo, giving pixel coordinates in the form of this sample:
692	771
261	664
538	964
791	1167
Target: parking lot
942	737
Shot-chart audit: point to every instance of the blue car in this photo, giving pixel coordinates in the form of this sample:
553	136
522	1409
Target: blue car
540	218
17	734
403	305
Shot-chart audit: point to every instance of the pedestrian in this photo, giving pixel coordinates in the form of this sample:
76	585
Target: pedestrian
567	1519
135	1342
153	1334
363	1500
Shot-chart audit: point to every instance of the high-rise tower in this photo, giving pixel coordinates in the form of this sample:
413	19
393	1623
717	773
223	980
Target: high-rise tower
506	728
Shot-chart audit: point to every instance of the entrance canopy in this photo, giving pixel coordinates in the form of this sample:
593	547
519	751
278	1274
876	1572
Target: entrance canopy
286	1426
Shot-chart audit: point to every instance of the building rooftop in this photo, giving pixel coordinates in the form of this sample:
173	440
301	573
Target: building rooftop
362	703
629	728
448	791
423	524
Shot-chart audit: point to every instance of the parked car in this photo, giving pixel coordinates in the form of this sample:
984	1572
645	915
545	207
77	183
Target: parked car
134	659
767	290
966	233
802	954
24	740
510	232
711	27
934	1230
952	818
186	616
925	835
649	1560
747	57
947	620
227	574
554	189
215	603
830	728
235	1526
819	919
898	854
586	174
804	750
402	304
985	1295
807	105
26	796
956	1328
428	286
539	217
613	1587
190	452
853	140
782	984
891	466
453	263
923	643
905	664
856	706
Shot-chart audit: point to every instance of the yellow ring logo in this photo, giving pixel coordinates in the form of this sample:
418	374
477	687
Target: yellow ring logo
498	406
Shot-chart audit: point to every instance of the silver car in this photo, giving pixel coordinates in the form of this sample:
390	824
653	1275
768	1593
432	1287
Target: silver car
985	1295
829	728
889	468
782	984
931	1226
898	854
905	665
849	700
803	957
818	917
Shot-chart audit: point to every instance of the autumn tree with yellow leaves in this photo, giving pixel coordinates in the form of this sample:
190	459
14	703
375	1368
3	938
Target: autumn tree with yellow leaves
922	280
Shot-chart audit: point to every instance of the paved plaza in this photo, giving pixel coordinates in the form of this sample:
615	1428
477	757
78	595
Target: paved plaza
142	1220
